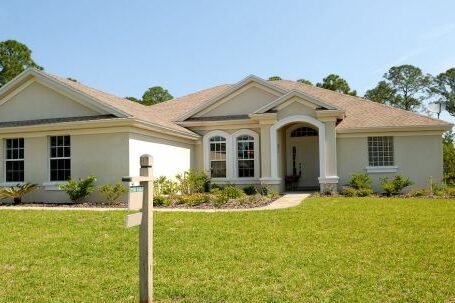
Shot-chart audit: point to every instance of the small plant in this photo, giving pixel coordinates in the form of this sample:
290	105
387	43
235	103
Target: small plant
112	192
273	194
263	190
349	191
193	181
193	199
220	199
360	181
164	186
78	190
161	200
418	193
17	192
232	192
450	191
395	186
250	190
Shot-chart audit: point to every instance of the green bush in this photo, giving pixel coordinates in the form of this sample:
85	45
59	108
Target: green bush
349	191
263	190
438	189
418	193
220	199
193	181
193	199
112	191
78	190
364	192
273	194
232	192
250	190
396	185
164	186
360	181
160	200
450	191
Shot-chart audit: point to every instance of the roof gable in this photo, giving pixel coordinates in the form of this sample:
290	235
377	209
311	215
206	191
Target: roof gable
232	91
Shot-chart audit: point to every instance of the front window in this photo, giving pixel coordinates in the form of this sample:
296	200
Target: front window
218	157
304	132
245	156
380	151
60	158
14	160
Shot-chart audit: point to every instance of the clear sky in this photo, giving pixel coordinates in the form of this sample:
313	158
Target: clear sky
124	47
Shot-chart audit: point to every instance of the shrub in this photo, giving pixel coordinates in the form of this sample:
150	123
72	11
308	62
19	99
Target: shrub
160	200
220	199
17	192
263	190
395	186
193	181
349	191
232	192
78	190
364	192
418	193
164	186
193	199
450	191
273	194
360	181
250	190
113	191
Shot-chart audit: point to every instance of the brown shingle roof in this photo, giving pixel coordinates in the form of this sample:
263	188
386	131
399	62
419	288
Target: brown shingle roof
360	113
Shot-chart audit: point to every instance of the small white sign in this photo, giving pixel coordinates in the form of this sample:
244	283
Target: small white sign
135	199
133	220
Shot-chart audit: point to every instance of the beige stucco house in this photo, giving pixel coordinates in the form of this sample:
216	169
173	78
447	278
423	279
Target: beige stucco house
279	133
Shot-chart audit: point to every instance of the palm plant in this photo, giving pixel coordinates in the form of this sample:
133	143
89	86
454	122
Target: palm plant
17	192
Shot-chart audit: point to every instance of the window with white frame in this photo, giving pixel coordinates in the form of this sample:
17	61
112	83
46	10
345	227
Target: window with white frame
245	156
304	132
14	160
380	151
217	157
60	158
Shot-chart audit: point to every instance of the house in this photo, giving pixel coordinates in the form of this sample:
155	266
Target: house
279	133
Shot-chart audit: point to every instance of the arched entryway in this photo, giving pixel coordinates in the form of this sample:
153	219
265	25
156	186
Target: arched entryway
301	157
282	151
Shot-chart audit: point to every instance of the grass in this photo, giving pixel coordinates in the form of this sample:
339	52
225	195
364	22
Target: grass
325	250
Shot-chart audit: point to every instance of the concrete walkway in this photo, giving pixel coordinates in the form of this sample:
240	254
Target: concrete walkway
287	201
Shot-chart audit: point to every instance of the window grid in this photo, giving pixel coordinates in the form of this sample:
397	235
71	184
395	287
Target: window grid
245	156
14	160
218	157
304	132
60	158
380	151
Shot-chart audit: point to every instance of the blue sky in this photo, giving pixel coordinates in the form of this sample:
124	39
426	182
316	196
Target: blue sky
124	47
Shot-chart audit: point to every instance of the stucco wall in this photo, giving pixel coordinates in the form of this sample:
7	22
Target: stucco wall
103	155
417	157
39	102
170	157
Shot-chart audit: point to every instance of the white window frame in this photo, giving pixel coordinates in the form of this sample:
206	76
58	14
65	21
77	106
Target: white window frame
383	168
12	160
255	136
207	160
56	182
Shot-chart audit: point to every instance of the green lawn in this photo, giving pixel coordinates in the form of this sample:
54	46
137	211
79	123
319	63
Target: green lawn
325	250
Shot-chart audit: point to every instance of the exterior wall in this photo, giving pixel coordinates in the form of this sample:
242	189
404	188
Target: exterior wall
295	108
417	157
40	102
170	157
245	102
103	155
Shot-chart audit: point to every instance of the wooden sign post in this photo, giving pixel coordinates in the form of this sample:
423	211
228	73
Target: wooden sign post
145	221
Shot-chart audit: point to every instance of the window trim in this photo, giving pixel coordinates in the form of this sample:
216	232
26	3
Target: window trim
5	160
51	184
206	146
246	132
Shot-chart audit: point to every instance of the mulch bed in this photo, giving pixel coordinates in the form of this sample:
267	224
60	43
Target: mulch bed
70	205
231	204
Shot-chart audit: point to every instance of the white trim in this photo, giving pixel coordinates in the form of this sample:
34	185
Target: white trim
329	180
381	169
206	146
54	186
274	144
230	90
9	184
270	180
237	181
295	93
255	136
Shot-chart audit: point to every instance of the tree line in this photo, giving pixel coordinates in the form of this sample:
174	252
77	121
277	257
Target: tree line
405	86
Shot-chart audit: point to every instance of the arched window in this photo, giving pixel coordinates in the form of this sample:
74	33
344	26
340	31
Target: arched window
304	132
217	157
245	156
